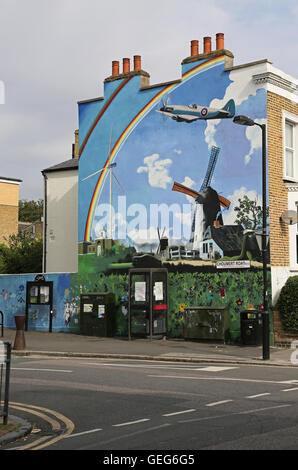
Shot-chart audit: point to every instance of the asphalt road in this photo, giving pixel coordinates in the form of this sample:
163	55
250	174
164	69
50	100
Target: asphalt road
86	404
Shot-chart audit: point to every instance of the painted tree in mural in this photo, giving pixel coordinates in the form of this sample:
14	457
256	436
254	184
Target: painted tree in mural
249	214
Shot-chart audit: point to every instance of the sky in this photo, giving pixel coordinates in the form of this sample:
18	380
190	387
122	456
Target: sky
55	53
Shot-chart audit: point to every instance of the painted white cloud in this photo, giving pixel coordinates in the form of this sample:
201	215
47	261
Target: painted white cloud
239	91
230	215
189	183
178	151
146	235
254	136
157	170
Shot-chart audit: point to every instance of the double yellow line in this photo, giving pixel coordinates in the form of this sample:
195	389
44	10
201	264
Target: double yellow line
56	426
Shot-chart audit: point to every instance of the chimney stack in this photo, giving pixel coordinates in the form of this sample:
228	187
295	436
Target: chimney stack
208	53
115	68
137	62
207	44
194	47
126	65
220	41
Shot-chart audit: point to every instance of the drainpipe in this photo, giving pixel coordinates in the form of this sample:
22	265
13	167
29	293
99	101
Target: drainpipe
45	223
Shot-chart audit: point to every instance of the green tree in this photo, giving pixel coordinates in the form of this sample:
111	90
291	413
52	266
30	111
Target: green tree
22	255
249	214
30	211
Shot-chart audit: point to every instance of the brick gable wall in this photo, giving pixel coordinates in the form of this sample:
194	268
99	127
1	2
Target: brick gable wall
278	194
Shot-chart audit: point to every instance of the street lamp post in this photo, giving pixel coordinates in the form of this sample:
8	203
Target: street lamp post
246	121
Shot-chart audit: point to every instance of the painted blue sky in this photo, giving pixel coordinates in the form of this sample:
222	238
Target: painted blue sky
57	52
161	151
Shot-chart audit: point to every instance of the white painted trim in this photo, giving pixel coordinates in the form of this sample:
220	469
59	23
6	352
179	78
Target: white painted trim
10	182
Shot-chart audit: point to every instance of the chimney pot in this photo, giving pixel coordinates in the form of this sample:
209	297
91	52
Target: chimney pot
207	44
220	41
194	47
115	67
137	62
126	65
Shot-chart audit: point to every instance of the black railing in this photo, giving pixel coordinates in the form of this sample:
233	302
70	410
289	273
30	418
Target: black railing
5	360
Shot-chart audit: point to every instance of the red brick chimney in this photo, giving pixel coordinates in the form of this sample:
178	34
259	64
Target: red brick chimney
220	41
208	53
115	68
194	47
207	44
137	62
126	65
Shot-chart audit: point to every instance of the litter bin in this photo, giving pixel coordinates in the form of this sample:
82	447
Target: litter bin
251	325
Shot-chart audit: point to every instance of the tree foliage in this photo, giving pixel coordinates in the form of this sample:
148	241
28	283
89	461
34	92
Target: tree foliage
249	214
22	255
30	211
287	305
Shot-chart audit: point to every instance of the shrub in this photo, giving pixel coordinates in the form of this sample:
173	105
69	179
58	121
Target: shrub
287	305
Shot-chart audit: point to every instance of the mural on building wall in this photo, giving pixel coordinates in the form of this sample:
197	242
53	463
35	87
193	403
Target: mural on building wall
140	149
164	173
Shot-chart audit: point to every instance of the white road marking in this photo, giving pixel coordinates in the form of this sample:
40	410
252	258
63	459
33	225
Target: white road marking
259	395
261	409
218	403
227	379
206	418
179	412
82	433
289	389
147	366
131	422
40	370
289	382
216	368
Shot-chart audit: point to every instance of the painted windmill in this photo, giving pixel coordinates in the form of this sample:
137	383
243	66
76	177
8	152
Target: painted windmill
208	205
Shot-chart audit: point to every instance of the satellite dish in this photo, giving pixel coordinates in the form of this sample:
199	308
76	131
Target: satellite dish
289	217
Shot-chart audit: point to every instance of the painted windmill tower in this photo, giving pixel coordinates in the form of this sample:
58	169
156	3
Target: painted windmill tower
208	204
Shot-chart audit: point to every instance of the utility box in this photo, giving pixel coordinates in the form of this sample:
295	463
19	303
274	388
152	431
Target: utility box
98	314
251	326
207	323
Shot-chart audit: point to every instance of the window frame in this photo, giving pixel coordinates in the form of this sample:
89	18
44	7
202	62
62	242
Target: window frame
291	119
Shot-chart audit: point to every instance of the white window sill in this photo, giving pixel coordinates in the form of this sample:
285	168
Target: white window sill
288	179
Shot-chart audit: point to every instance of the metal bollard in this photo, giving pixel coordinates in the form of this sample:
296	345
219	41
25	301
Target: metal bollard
5	359
7	379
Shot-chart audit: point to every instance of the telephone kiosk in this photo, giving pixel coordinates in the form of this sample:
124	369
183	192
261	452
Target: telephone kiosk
39	298
148	302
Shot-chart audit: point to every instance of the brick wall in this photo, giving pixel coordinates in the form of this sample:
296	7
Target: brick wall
8	222
9	206
278	194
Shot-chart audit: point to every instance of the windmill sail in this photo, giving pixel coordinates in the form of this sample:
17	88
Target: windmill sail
211	167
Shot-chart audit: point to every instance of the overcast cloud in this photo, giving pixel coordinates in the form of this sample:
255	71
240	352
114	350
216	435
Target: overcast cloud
56	52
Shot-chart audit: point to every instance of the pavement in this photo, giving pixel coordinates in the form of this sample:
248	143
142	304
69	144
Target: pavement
57	344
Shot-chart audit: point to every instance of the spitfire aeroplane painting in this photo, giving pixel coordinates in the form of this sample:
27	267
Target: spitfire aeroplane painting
194	112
